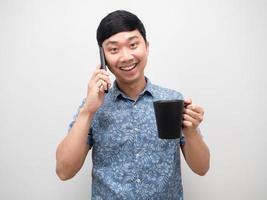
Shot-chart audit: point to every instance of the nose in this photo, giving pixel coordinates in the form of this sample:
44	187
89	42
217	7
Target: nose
126	55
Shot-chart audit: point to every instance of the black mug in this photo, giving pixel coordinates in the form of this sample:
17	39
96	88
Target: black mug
169	118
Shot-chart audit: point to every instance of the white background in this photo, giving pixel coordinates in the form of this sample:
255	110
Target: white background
212	51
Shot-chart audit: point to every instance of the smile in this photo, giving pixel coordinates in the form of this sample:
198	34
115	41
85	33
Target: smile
128	67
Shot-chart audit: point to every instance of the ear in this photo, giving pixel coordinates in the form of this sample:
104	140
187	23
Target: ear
147	47
147	44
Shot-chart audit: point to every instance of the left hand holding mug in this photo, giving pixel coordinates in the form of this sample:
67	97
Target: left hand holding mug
192	117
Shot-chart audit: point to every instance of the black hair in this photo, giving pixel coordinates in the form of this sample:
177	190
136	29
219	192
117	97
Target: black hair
118	21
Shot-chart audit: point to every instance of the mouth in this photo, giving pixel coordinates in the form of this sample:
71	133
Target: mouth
128	67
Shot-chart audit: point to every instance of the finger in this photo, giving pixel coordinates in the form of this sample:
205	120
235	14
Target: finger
105	86
187	102
196	108
104	72
193	114
97	69
103	77
195	122
100	71
187	124
101	85
99	66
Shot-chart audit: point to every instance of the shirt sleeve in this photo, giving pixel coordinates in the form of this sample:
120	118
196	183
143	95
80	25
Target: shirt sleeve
182	140
74	118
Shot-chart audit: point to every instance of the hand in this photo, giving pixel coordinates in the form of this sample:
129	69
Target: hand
193	116
97	85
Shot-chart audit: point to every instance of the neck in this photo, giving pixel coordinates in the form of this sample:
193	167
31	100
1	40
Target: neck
132	90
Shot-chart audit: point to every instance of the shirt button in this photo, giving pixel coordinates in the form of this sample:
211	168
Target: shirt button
138	180
137	155
136	129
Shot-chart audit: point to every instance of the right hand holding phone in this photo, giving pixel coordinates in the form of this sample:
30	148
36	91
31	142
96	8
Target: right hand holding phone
97	85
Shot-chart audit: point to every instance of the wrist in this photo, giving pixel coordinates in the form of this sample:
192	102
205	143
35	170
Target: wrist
191	133
86	112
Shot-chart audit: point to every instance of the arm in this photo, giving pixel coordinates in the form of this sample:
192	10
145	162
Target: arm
73	149
195	151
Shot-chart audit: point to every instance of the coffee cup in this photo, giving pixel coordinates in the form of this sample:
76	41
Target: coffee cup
169	118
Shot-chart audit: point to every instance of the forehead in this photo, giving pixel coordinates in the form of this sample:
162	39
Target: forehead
123	37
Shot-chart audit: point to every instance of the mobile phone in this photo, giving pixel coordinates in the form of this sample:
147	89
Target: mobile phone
102	61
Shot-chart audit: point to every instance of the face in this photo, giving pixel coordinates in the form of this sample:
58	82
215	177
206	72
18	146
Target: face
126	55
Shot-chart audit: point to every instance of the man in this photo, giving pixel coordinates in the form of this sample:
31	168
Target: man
129	160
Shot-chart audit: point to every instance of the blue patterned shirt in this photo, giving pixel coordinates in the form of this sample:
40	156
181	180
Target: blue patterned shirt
129	160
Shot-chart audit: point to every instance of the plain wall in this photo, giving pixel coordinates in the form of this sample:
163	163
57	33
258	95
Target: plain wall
212	51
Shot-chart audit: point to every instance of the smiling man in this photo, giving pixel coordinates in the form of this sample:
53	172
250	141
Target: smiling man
129	160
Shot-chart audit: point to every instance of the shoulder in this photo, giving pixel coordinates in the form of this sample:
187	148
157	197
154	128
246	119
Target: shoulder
160	92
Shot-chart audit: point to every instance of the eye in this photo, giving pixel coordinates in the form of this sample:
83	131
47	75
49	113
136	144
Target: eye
113	50
133	45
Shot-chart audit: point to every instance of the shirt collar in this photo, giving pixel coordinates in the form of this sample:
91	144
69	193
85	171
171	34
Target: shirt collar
117	93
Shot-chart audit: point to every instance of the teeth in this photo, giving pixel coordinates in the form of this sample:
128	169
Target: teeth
128	68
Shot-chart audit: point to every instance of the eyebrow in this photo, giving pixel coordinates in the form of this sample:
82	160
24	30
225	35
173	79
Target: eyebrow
115	42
